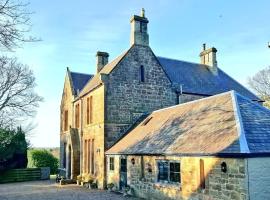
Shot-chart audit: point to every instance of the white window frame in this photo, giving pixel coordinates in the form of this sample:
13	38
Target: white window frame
168	175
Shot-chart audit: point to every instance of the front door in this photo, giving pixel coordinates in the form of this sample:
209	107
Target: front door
69	163
123	173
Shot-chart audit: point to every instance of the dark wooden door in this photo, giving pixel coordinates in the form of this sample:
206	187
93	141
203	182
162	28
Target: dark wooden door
69	163
123	173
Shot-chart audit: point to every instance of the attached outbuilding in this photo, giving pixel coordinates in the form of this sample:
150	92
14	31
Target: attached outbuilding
213	148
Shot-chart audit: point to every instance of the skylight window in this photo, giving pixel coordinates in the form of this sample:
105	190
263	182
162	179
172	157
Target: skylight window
146	121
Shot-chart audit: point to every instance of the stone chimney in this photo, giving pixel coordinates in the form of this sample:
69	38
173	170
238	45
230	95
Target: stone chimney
102	60
139	33
208	57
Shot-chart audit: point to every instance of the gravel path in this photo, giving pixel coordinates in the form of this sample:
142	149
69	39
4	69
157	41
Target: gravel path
48	190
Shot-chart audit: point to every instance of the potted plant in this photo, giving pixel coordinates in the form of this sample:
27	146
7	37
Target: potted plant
110	186
126	189
93	185
79	179
88	179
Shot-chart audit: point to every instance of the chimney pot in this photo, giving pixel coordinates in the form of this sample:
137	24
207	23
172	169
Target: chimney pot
204	46
143	13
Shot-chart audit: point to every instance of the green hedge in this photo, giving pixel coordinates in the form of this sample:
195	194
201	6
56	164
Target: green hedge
43	158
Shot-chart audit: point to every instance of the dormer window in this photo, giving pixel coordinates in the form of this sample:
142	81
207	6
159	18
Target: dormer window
142	75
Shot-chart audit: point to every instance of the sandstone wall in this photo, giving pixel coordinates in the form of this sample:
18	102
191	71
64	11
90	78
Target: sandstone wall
218	185
66	104
95	130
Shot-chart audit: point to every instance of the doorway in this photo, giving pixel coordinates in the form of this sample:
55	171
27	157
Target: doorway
69	163
123	173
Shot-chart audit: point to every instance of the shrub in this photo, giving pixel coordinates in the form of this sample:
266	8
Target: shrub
43	158
13	149
110	186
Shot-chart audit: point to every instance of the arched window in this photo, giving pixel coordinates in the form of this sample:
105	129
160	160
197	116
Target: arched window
142	76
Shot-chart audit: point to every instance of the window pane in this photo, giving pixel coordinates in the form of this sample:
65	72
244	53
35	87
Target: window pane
175	172
172	167
163	171
142	73
111	163
175	177
177	167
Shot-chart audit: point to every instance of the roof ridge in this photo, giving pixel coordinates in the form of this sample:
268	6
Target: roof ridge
181	60
81	73
195	101
244	148
70	81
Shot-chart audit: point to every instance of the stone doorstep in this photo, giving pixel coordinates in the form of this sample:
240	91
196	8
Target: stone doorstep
66	181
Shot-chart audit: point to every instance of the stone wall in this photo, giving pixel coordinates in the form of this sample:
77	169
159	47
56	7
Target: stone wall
218	185
127	98
259	178
95	130
66	105
184	98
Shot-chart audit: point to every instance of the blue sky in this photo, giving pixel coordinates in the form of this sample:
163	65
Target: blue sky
72	32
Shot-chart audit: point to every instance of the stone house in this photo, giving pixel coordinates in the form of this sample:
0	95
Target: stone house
213	148
97	110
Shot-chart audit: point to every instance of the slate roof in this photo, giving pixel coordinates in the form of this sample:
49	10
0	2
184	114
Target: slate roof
224	124
198	79
79	80
194	78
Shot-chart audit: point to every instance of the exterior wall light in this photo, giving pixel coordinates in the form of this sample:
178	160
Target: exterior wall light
133	161
223	167
149	167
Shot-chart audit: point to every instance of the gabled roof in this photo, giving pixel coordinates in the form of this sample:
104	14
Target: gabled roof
79	80
198	79
225	124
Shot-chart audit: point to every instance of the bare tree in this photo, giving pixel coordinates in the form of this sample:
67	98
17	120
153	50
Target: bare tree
18	99
260	82
14	24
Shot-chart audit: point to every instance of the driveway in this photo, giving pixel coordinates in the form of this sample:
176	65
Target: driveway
48	190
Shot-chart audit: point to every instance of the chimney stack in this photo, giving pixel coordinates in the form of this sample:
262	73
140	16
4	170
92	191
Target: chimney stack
139	33
208	57
102	60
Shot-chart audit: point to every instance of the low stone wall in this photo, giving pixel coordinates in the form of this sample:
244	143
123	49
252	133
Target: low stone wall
231	184
45	173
